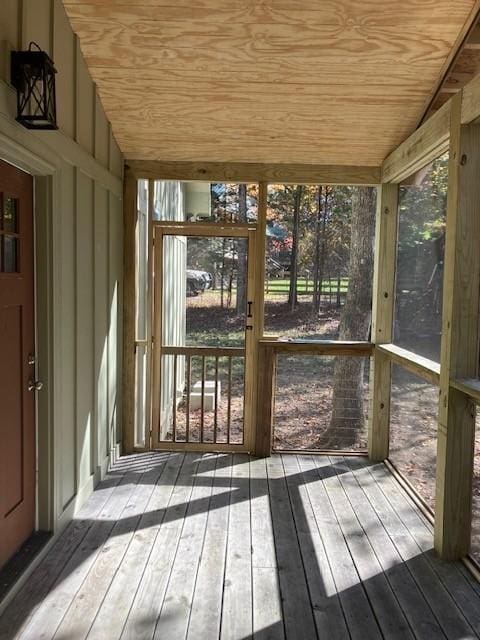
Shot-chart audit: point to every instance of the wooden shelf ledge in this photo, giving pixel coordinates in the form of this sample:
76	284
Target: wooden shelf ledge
424	368
468	386
318	347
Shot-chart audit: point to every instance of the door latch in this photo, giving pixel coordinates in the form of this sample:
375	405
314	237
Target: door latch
35	385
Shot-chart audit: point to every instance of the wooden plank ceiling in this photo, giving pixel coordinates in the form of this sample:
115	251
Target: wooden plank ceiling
307	81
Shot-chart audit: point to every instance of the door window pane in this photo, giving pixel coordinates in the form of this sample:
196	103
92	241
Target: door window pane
10	255
10	214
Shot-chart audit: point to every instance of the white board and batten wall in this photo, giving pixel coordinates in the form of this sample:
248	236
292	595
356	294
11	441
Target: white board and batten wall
170	205
79	227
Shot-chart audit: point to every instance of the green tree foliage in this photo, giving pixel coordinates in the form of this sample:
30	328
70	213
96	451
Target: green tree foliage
323	242
422	205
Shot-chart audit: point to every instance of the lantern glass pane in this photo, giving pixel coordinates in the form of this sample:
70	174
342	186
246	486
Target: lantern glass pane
34	79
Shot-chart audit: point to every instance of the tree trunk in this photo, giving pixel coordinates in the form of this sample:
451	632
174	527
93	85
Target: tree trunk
242	254
292	292
317	290
347	421
320	248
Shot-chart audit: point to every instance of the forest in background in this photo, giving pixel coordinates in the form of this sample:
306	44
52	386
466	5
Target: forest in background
319	234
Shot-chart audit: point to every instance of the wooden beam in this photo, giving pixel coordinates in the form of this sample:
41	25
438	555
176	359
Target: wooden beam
473	40
469	386
422	367
459	351
468	34
128	381
424	145
255	172
471	101
320	347
382	319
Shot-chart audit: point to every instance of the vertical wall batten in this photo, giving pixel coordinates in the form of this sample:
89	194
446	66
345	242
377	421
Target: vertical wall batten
115	346
85	327
128	386
101	309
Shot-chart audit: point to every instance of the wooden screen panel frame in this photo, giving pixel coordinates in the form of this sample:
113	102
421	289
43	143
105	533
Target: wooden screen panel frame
160	230
268	349
454	127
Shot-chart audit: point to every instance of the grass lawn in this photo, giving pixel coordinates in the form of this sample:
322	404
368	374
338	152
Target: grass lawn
304	286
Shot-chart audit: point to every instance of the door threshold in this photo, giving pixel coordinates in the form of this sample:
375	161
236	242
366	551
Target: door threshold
21	561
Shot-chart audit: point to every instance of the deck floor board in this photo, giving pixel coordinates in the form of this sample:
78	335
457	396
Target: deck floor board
219	546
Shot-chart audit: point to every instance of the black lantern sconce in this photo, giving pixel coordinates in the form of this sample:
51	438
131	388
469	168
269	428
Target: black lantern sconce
33	76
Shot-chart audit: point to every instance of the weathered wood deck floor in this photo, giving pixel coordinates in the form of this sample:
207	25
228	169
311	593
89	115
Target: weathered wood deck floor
215	546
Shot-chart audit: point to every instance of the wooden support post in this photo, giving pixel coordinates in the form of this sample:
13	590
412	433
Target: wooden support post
149	315
261	445
266	397
128	382
382	319
260	259
459	353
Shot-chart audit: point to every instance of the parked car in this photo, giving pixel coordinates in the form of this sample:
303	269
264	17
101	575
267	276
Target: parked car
198	281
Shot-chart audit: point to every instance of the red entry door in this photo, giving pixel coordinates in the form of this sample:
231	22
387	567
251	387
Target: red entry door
17	360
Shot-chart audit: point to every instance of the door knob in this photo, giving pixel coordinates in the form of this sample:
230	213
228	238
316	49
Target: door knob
35	385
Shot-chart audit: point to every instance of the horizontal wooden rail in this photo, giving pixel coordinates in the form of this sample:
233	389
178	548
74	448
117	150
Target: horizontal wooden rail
204	351
424	368
222	229
319	347
469	386
425	144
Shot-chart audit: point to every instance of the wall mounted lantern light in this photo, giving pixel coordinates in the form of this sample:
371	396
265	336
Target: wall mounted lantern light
33	76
